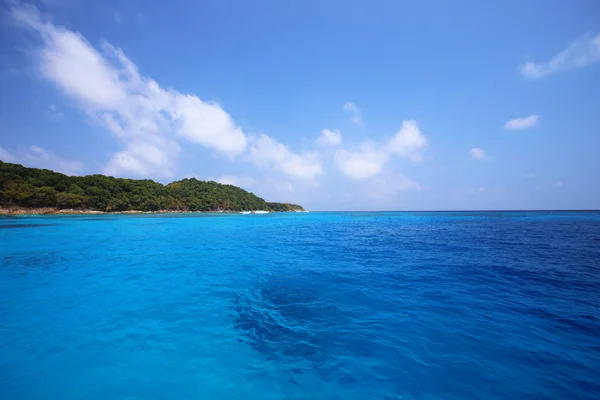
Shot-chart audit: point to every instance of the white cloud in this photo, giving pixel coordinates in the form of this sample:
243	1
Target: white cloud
408	142
329	138
530	175
478	154
207	124
583	52
361	165
144	158
38	157
266	152
522	123
354	112
559	184
145	117
369	159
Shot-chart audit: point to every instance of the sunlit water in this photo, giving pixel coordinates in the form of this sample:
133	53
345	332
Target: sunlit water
301	306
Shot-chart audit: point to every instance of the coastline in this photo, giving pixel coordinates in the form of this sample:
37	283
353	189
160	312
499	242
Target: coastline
72	211
34	191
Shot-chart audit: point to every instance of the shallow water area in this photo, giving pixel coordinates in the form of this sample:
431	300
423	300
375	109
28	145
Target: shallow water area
448	305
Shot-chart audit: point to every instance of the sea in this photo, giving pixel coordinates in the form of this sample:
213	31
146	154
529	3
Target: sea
320	305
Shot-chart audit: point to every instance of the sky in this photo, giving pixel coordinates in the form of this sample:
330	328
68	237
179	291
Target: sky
335	105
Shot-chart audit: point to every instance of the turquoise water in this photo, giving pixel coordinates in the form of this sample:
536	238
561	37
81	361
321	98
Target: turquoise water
301	306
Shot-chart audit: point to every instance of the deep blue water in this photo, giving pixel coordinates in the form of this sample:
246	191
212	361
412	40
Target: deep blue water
301	306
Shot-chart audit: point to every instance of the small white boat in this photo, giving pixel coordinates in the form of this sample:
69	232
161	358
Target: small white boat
260	212
246	212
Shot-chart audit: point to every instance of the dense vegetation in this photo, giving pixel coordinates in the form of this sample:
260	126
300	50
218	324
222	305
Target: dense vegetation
33	187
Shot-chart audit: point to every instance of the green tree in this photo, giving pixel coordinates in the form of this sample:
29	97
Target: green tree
33	187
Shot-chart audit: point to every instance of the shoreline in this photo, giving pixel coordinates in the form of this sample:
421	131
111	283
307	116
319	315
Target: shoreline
72	211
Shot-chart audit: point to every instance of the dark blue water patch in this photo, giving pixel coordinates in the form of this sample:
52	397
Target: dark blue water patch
24	226
291	319
33	260
283	317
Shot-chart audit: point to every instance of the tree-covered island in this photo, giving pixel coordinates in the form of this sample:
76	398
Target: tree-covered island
22	187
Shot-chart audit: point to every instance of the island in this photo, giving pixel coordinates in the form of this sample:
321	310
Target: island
40	191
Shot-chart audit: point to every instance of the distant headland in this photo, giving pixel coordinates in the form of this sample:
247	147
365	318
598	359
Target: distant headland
40	191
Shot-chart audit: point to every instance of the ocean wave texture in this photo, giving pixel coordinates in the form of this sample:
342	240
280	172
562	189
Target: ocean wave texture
469	305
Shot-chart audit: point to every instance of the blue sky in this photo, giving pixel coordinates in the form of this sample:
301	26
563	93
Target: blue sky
337	105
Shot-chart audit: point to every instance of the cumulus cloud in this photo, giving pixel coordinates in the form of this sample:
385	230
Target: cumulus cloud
522	123
266	152
354	112
144	116
369	159
408	142
329	138
583	52
362	164
207	124
39	157
478	153
149	157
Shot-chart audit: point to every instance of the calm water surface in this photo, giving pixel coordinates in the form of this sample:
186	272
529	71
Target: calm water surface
301	306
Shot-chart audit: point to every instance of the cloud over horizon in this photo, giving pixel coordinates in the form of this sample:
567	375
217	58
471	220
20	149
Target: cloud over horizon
336	123
149	121
266	152
153	123
369	159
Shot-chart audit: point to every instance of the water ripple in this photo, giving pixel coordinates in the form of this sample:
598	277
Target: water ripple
316	306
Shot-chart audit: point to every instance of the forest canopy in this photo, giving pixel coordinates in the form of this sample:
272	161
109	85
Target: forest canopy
32	187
